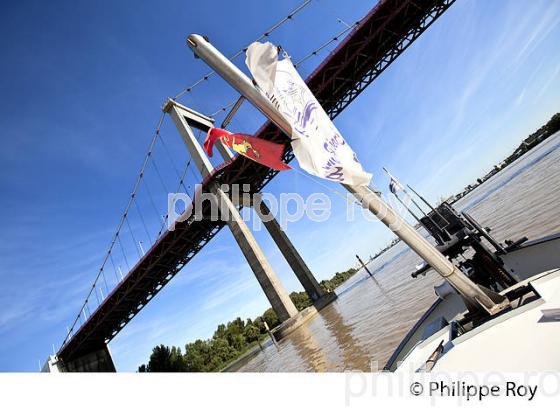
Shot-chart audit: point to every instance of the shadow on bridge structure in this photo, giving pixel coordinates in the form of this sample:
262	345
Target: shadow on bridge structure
371	45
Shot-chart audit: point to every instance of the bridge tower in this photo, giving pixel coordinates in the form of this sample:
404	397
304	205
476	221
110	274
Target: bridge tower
185	119
286	247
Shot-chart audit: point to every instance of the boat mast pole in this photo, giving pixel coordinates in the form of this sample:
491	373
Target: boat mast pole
407	195
407	208
474	296
427	203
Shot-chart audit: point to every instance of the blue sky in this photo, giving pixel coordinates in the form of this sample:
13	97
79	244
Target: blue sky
82	86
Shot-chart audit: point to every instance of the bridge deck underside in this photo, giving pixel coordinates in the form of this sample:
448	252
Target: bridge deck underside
380	37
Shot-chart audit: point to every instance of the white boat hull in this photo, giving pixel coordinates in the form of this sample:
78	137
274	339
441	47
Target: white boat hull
515	341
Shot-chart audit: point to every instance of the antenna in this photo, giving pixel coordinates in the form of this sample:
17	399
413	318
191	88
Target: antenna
428	204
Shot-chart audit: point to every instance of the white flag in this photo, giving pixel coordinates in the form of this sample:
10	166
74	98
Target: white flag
317	144
395	186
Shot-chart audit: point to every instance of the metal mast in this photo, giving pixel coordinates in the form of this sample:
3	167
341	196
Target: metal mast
475	296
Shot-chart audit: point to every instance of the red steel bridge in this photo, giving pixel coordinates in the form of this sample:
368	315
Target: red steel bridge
376	41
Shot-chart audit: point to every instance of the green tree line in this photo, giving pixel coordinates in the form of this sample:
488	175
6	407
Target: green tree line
550	128
230	340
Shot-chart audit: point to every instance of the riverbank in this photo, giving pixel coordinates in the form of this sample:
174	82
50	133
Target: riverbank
528	144
239	338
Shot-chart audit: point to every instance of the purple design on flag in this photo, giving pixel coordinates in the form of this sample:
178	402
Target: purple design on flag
308	110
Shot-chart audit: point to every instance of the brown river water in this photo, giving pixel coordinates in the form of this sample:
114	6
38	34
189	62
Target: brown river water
362	328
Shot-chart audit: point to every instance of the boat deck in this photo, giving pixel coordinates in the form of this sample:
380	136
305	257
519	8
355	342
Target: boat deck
528	262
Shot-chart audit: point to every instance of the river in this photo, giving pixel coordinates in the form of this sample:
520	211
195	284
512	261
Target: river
361	329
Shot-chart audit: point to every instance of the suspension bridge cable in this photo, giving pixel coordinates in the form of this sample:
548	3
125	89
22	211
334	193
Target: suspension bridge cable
182	180
166	218
299	62
105	281
133	238
346	197
121	222
327	43
332	12
147	187
159	176
162	141
143	221
123	252
114	268
223	109
187	167
241	51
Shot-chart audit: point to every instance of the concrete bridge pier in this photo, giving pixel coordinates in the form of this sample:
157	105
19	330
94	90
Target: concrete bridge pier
288	250
273	288
290	253
99	361
96	361
277	295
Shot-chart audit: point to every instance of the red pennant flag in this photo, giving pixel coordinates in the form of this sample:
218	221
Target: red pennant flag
262	151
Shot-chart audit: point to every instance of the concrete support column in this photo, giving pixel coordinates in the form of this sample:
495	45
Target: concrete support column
273	289
97	361
294	259
288	250
271	285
